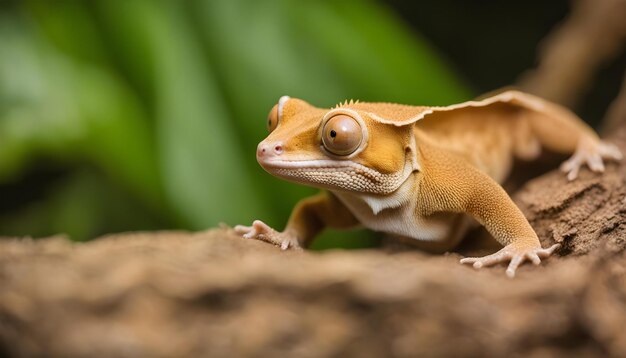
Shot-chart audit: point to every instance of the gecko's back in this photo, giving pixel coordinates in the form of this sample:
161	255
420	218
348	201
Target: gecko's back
486	137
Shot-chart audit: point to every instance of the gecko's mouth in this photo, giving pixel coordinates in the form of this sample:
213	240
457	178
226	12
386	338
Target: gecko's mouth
335	175
308	164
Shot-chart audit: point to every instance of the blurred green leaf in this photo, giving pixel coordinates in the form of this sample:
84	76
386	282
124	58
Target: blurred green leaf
205	177
378	56
58	107
35	115
168	99
69	26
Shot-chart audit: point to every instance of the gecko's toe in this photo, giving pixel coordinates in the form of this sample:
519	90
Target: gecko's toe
543	253
242	229
595	163
469	260
534	258
571	167
261	227
513	265
610	151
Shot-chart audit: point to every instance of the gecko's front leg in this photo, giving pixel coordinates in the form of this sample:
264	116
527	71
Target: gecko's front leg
478	195
491	206
308	218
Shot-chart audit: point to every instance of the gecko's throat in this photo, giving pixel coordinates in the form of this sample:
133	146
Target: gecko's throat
337	175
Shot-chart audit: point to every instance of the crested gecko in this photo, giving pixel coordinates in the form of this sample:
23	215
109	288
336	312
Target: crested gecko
420	173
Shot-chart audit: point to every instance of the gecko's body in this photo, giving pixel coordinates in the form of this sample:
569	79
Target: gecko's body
415	172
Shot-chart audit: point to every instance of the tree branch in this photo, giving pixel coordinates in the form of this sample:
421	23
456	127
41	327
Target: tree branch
593	34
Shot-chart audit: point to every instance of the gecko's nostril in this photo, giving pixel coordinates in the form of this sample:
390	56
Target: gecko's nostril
278	149
261	150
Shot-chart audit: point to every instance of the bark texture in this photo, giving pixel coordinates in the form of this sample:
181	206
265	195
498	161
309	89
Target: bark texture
174	294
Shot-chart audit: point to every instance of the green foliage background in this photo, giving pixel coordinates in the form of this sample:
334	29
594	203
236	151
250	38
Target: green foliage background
152	110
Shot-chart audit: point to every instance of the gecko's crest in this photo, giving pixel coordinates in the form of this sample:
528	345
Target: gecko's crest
346	103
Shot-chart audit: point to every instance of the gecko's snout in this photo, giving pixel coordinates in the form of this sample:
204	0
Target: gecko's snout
267	151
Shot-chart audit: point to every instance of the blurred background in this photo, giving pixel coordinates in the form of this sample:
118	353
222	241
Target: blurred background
120	115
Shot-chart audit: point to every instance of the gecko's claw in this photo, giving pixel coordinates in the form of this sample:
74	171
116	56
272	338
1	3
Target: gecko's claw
592	154
261	231
512	254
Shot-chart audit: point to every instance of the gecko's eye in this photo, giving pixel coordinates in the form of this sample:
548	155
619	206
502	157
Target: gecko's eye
272	119
342	135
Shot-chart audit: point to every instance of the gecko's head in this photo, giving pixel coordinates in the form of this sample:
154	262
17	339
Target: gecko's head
345	148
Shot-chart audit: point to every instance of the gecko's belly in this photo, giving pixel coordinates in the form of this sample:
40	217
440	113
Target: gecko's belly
401	221
434	229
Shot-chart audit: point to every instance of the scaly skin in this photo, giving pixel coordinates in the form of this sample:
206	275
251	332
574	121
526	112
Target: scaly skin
410	171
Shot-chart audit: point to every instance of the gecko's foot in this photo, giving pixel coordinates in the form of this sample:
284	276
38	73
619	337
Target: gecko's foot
261	231
512	254
591	153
